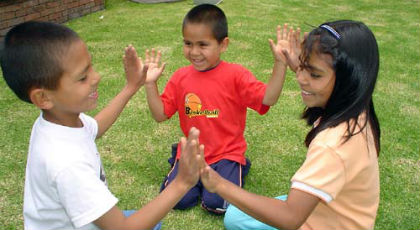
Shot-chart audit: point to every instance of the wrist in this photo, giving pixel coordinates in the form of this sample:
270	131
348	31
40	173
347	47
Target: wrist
181	185
151	84
280	62
130	90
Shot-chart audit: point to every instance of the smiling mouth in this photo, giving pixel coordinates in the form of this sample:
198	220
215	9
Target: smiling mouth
94	95
198	61
306	93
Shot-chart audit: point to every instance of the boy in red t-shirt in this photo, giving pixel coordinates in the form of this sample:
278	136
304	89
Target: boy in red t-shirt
213	96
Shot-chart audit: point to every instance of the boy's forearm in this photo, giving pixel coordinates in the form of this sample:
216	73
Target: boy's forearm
107	116
159	207
275	84
155	102
149	215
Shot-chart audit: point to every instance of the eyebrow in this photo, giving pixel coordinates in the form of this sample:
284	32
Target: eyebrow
84	70
314	68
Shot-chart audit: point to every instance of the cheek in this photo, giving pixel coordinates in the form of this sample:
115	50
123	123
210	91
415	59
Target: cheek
329	89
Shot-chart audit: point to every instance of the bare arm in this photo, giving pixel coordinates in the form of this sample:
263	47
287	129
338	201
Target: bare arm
289	214
155	102
152	92
148	216
275	84
135	75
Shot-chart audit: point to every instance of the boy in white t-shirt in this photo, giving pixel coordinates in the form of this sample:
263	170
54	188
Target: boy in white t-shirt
48	65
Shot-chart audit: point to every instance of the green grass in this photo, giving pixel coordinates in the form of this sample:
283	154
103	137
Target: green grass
135	149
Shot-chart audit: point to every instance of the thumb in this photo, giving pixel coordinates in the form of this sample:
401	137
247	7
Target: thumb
286	54
162	67
145	68
271	44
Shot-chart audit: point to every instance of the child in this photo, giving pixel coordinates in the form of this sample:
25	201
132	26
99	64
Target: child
49	66
212	95
337	187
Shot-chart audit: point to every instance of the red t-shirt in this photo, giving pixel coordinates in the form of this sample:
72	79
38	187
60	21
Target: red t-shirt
215	102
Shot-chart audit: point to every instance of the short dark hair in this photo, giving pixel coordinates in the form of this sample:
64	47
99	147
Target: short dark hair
355	58
32	56
210	15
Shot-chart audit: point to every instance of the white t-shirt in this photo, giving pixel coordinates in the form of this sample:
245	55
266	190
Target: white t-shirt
65	185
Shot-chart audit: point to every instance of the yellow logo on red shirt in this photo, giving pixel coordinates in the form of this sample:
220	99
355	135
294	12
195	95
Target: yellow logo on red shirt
193	107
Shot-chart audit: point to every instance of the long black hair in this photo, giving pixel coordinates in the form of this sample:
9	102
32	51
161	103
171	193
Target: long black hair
355	56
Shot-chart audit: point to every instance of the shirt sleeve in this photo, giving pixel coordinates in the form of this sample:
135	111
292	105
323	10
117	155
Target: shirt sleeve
90	124
322	174
252	91
84	196
168	98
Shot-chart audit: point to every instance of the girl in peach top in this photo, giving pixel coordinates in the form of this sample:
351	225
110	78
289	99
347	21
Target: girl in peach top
337	187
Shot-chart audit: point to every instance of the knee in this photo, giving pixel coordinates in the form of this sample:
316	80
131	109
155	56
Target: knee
186	202
214	204
230	221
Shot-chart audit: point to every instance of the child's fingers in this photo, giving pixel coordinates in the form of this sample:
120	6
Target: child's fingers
158	57
183	142
297	35
284	33
162	67
145	68
202	162
279	30
153	56
147	56
193	134
272	46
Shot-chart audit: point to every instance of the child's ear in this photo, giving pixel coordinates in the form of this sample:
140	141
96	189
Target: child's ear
40	98
224	44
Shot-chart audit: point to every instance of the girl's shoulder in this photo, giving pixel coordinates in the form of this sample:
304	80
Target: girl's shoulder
335	138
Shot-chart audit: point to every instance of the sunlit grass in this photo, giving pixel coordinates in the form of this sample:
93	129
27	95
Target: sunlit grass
135	150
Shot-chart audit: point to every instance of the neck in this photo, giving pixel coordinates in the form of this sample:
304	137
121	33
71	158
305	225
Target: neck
211	67
69	120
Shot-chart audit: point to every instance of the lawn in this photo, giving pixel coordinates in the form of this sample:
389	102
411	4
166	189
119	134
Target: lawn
135	150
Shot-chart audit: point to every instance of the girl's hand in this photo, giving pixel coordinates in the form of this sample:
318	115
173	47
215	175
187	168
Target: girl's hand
295	49
153	61
210	178
134	68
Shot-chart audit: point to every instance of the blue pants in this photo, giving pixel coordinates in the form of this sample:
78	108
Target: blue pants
131	212
235	219
212	202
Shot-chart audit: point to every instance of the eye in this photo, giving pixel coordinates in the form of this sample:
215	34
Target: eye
187	43
314	75
82	79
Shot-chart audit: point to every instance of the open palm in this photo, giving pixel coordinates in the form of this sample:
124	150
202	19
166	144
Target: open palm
134	68
281	48
155	67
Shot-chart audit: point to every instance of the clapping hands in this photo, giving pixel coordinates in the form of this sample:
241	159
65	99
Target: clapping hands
288	46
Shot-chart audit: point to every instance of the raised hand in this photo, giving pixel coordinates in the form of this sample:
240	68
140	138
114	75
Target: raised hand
281	48
210	178
153	61
188	170
135	70
294	51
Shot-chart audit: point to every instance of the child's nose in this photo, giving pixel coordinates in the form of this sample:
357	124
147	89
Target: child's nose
301	77
96	78
194	50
